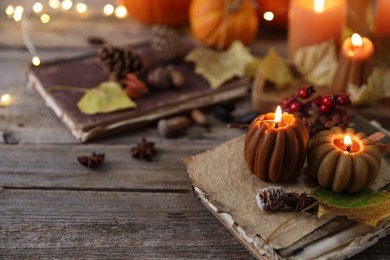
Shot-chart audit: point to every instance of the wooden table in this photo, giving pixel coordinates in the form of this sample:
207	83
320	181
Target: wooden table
52	207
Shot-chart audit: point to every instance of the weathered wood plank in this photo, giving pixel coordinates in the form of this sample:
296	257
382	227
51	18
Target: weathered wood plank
64	224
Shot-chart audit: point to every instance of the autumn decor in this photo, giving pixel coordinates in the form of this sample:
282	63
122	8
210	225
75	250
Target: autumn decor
319	112
343	160
91	161
275	146
143	150
165	12
218	23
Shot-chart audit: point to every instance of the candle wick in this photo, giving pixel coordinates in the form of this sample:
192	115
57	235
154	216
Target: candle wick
276	125
348	148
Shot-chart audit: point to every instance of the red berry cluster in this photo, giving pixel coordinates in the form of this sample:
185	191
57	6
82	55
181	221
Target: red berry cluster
318	113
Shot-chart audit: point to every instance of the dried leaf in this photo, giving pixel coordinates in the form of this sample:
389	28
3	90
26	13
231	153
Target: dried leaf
105	98
367	206
275	69
370	92
219	67
317	63
252	67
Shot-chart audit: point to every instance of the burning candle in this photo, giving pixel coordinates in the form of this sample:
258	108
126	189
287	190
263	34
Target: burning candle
314	21
343	160
382	21
6	100
275	146
355	63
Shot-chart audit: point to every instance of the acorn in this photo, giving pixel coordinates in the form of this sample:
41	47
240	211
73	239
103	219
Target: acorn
173	127
159	78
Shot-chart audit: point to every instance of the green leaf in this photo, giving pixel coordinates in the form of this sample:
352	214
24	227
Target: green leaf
218	67
367	206
105	98
275	69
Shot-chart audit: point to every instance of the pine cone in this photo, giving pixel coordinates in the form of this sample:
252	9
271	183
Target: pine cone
271	198
119	61
165	42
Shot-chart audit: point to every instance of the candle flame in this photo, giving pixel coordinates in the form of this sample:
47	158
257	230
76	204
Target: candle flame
268	16
278	115
347	140
357	40
319	5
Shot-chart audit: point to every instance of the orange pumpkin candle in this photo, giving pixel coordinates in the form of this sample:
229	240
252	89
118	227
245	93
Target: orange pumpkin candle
343	160
355	63
275	146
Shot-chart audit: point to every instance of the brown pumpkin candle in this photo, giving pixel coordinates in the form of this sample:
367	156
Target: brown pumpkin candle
275	146
343	160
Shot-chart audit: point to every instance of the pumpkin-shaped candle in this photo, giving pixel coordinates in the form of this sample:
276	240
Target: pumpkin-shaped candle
343	160
275	146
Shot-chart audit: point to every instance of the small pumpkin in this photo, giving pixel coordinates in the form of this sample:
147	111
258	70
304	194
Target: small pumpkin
218	23
332	166
165	12
276	153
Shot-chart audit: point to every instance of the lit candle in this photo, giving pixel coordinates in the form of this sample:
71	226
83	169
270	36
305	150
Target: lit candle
315	21
275	146
355	63
382	21
5	100
343	160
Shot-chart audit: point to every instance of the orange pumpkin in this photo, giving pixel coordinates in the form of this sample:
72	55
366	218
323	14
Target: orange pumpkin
166	12
332	166
217	23
280	10
276	153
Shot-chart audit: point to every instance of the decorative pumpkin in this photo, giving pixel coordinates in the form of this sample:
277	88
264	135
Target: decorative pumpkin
276	152
280	10
165	12
218	23
335	165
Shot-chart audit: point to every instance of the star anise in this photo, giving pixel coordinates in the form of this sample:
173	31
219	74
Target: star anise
143	150
299	201
91	161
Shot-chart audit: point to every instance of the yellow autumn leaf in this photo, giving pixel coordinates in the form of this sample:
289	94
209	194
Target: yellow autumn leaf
218	67
317	63
252	67
366	206
275	69
371	92
105	98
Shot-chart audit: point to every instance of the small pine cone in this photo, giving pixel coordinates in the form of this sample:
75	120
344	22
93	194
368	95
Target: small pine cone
271	198
119	61
165	42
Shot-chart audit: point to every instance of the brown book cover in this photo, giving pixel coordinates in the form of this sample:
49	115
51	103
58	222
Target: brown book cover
87	72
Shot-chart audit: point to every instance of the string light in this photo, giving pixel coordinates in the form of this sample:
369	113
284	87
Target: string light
45	18
67	4
108	9
268	16
18	13
37	7
36	61
5	100
81	8
55	4
9	10
121	11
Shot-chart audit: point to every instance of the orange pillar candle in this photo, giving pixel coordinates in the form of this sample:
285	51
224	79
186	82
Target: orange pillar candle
343	160
275	146
315	21
382	20
355	63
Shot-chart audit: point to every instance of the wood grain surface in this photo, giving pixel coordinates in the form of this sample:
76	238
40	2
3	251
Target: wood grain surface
52	207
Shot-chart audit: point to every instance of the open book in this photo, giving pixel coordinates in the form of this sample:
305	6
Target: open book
86	72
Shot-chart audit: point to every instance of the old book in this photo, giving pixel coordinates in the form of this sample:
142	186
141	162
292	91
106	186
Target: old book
226	187
86	72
